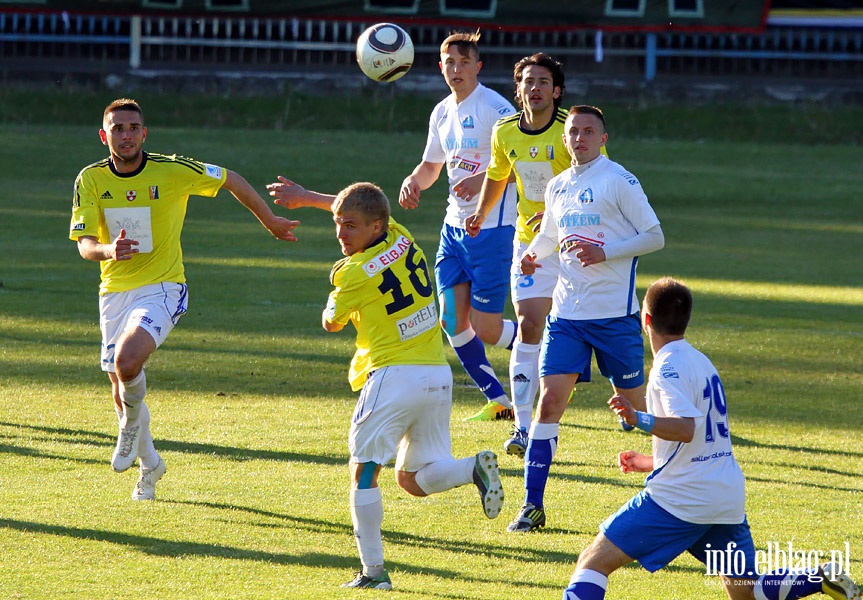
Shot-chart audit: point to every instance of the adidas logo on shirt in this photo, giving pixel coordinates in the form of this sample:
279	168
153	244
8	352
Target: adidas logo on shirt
106	196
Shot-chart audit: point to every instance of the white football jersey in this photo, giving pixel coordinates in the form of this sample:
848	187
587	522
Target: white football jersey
460	138
602	204
698	482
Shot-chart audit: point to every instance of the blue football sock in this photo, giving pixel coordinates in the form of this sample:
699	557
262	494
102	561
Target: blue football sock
471	353
782	585
586	585
541	446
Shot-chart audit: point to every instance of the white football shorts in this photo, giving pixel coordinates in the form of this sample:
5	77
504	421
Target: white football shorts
155	308
403	412
540	284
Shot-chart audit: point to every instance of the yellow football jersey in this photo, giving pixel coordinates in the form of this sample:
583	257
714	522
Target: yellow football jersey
535	156
150	204
387	293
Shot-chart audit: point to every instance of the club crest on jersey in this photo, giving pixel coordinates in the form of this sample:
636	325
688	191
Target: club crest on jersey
586	196
534	151
131	195
467	122
154	192
387	257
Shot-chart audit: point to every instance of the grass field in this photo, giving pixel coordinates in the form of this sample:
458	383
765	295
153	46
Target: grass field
251	405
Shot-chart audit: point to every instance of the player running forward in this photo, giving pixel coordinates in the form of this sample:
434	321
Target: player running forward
127	213
694	498
530	145
383	287
471	272
598	221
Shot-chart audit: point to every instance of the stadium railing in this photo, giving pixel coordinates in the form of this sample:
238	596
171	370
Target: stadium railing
274	45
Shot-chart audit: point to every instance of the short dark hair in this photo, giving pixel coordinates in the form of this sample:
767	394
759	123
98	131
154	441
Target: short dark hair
584	109
365	198
123	104
541	59
466	42
669	304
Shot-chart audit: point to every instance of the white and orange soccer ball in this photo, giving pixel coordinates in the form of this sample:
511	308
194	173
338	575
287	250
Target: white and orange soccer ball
385	52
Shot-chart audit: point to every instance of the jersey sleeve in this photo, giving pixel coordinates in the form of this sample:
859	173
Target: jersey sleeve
85	208
499	166
633	203
675	393
204	179
434	151
340	304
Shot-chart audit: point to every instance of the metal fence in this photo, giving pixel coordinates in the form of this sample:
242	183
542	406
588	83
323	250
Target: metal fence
134	43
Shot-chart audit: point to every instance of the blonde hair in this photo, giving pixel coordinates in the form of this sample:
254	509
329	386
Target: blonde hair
366	199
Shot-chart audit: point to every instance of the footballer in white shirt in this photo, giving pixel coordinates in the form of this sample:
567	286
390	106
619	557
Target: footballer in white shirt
597	218
694	497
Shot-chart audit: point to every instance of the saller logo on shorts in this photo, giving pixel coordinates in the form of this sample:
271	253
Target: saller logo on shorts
387	257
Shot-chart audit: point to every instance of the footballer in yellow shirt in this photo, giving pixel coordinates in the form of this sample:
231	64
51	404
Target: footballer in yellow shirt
127	214
383	287
150	205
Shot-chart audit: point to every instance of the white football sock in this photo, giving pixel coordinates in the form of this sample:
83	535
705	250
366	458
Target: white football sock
132	395
367	514
147	454
524	380
444	475
507	334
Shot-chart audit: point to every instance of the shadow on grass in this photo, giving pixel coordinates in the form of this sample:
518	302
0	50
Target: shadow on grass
73	436
154	546
401	538
159	547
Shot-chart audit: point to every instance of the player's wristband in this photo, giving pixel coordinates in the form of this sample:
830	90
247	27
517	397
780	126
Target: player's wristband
645	421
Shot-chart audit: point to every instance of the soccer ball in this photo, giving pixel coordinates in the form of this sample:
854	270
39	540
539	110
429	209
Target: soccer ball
385	52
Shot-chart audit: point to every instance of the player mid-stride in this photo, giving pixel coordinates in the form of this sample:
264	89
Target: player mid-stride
383	287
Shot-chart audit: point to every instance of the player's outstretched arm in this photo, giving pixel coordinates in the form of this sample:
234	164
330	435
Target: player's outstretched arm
292	195
279	227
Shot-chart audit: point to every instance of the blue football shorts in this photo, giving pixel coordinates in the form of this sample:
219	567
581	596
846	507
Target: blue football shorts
483	261
645	531
567	347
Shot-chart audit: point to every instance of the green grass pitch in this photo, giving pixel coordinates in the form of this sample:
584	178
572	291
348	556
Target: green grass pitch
251	405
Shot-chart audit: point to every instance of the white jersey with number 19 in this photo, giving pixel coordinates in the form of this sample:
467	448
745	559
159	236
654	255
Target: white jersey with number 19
700	481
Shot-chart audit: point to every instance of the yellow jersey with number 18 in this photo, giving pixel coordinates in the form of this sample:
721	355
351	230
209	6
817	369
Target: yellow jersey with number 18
150	205
387	293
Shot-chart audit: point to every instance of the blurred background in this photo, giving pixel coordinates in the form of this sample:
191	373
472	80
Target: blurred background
680	51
